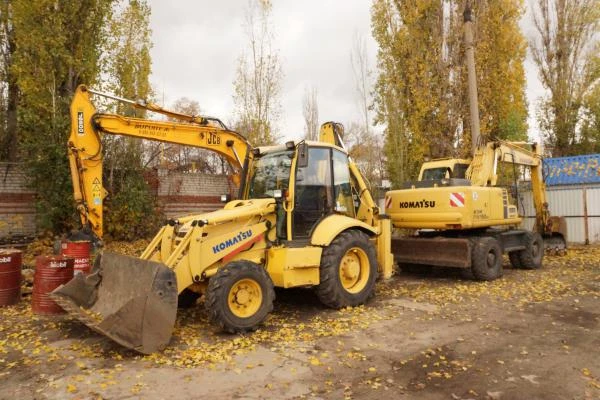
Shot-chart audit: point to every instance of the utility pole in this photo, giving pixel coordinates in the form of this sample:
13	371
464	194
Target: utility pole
470	55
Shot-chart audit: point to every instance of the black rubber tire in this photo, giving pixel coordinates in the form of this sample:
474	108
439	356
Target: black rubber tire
187	299
533	255
330	290
217	294
486	259
515	259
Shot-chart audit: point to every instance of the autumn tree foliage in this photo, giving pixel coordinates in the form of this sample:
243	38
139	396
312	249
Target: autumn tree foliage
565	51
130	207
58	45
258	81
420	92
48	48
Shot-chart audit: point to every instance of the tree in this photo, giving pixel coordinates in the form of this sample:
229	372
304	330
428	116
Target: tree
127	68
310	112
9	90
258	80
364	144
130	207
564	51
420	92
57	46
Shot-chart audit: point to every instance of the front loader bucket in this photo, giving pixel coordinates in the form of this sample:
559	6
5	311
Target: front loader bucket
130	300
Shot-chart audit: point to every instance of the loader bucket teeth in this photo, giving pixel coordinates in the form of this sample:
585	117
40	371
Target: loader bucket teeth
131	301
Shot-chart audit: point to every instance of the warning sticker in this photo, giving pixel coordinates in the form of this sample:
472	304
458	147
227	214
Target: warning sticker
457	199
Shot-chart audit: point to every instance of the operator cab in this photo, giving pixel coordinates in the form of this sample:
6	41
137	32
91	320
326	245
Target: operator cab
314	179
442	172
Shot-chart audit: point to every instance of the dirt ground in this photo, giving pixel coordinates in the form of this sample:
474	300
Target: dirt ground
529	335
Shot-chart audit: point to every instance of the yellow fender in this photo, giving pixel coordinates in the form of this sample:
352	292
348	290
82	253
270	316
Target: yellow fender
333	225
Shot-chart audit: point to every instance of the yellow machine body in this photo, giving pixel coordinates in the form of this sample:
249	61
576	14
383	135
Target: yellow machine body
454	207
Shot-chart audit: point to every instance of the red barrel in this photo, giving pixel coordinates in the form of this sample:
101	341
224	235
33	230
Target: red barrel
50	273
80	251
10	276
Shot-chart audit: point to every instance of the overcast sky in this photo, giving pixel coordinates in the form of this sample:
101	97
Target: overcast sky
197	43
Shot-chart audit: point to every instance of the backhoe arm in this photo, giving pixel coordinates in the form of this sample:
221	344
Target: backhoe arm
85	145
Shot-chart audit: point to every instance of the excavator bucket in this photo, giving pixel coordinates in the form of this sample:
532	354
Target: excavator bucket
130	300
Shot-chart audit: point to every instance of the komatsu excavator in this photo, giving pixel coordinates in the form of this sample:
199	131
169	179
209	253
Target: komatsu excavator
304	218
458	210
463	219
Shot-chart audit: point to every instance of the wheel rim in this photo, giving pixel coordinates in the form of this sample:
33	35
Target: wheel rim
245	298
354	270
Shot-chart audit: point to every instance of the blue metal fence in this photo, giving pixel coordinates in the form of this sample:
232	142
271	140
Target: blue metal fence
575	170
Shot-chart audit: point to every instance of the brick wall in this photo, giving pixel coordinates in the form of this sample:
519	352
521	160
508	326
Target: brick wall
17	210
182	193
178	193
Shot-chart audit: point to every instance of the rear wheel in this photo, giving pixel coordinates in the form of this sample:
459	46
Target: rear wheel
348	270
531	257
240	296
486	259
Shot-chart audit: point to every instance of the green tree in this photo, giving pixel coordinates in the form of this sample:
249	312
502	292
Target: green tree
58	46
564	51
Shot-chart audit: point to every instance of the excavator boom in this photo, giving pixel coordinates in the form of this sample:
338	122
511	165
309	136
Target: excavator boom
85	145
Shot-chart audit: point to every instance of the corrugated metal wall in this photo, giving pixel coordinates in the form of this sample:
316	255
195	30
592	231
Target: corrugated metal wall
569	202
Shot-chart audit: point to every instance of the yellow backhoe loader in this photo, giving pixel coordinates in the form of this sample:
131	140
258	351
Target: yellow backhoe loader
304	218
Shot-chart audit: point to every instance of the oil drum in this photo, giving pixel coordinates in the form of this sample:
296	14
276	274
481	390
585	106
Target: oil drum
80	252
50	273
10	276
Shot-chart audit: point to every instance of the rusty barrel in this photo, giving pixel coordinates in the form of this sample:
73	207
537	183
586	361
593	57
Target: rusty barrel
50	273
80	252
10	276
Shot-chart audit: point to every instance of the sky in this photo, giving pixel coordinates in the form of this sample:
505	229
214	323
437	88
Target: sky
197	45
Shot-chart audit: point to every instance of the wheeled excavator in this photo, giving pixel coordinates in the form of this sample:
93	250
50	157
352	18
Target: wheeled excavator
304	217
469	221
462	218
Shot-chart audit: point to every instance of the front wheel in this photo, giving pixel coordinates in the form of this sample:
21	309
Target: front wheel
240	296
348	270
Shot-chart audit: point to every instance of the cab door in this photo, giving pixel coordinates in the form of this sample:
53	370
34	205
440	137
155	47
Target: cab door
322	188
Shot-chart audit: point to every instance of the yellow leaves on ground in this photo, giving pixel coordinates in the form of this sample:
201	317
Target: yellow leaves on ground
71	388
560	276
25	339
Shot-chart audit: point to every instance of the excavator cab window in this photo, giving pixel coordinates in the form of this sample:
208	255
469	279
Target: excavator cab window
460	170
270	172
432	174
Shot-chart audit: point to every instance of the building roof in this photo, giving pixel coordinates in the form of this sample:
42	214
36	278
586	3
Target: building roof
572	170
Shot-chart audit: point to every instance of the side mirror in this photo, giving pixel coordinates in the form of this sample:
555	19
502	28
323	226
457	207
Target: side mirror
302	161
225	198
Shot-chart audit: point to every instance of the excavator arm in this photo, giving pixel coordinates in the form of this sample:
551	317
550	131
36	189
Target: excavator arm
483	172
85	145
